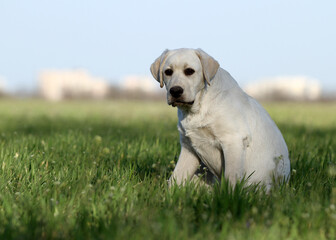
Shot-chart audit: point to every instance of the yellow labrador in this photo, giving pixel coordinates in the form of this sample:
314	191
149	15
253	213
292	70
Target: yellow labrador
220	126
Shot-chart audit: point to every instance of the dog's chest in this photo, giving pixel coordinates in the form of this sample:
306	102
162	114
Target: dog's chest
200	135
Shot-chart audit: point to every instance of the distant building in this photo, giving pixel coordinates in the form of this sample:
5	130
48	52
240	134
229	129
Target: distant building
2	85
141	87
57	85
298	88
144	84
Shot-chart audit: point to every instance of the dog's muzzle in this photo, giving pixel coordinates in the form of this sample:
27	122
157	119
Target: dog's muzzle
176	94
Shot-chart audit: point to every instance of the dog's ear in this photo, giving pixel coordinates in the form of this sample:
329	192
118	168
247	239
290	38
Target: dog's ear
156	67
209	65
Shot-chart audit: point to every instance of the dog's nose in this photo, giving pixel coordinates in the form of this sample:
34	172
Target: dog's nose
176	91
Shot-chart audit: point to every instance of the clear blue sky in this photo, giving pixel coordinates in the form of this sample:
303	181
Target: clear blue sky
250	39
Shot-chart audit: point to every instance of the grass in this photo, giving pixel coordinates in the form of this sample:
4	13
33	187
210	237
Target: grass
98	170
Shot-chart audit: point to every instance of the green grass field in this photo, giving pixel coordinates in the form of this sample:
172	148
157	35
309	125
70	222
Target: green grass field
98	170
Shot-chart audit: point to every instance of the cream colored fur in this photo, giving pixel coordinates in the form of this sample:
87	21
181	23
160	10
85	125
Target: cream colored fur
220	126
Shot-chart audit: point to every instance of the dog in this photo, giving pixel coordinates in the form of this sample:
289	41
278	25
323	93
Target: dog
220	126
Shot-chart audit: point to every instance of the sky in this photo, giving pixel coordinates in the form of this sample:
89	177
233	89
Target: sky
112	39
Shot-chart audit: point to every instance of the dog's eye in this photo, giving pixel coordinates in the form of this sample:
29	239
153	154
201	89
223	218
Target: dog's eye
189	71
168	72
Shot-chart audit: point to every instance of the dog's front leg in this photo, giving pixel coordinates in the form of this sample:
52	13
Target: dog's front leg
186	167
235	156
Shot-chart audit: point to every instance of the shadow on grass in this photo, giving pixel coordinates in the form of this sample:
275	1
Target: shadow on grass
44	125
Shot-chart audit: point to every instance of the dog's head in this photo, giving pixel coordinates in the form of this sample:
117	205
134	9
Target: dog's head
184	72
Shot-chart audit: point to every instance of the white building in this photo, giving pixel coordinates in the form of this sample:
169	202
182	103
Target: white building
146	84
2	84
298	88
56	85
